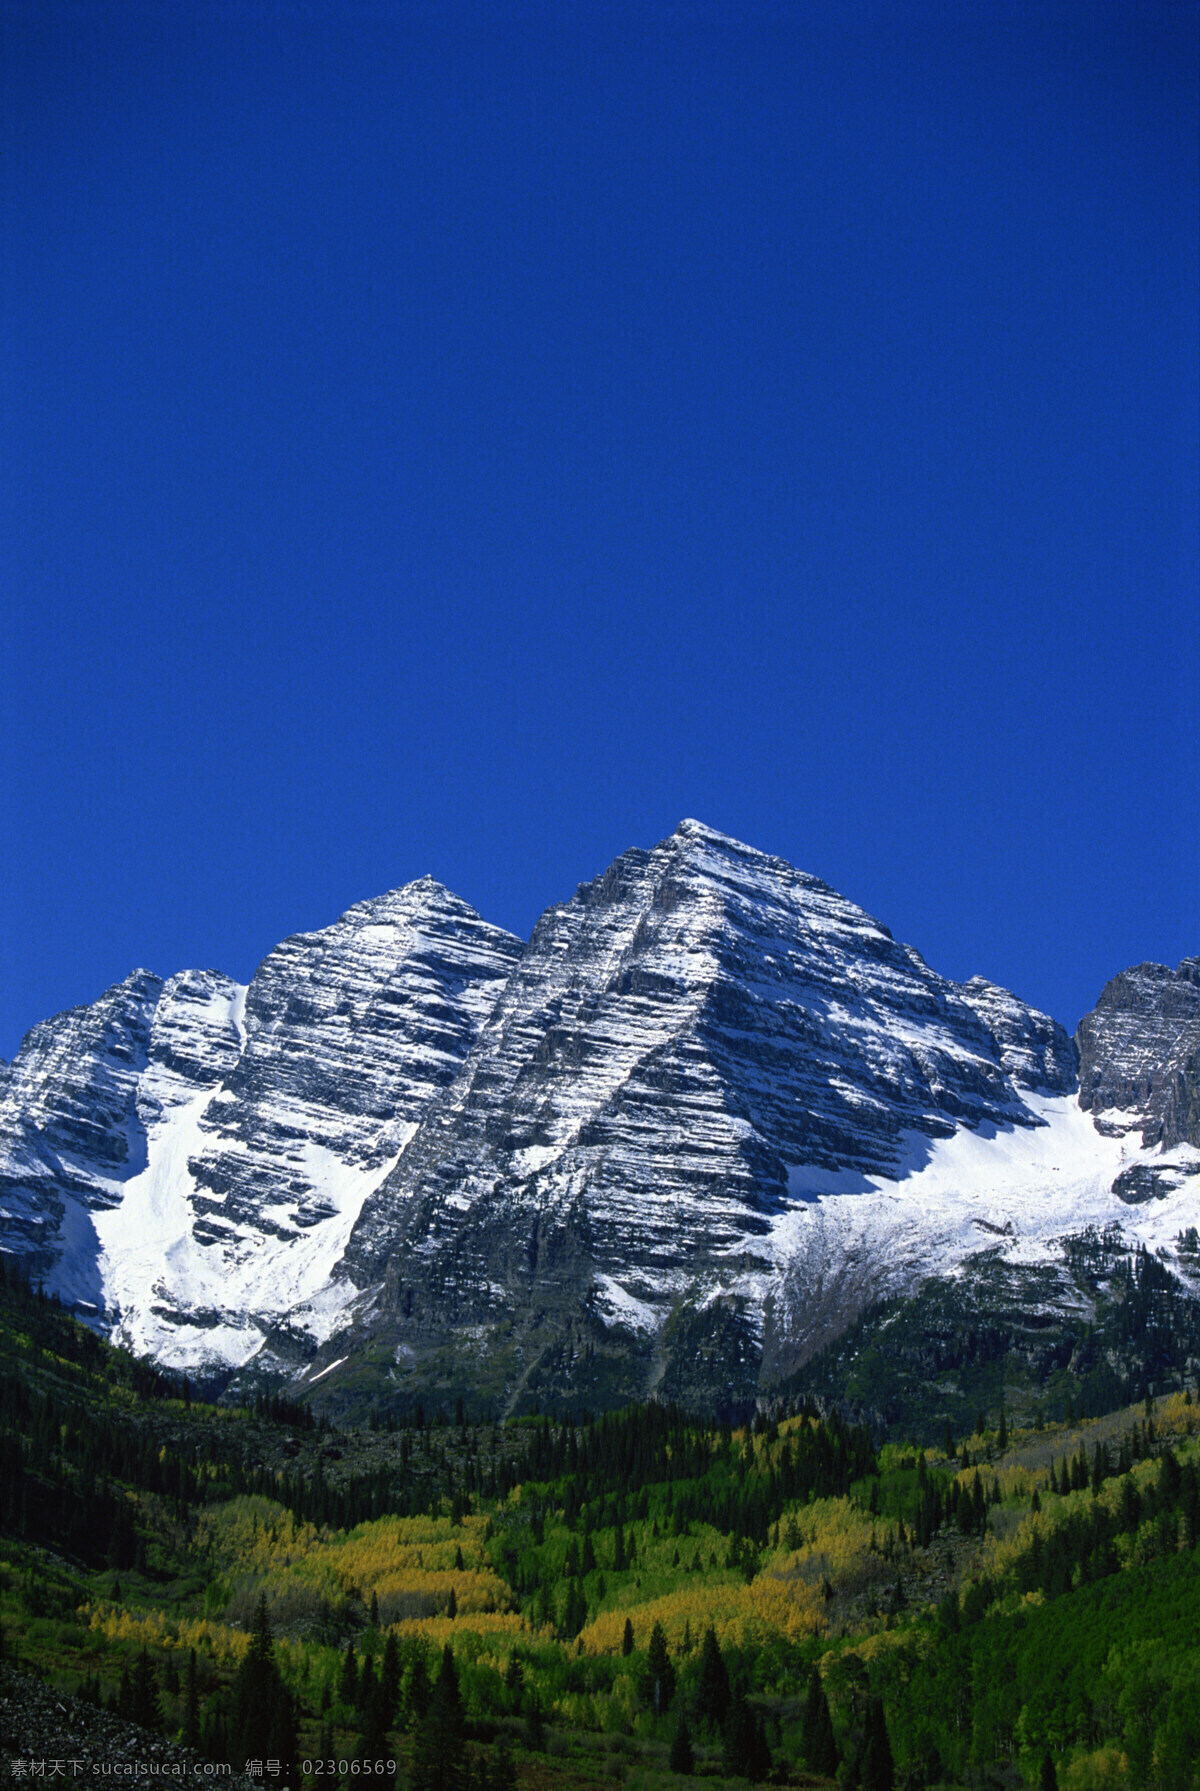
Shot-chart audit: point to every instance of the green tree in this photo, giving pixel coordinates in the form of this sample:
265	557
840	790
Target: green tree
348	1684
627	1638
143	1693
419	1690
575	1611
504	1771
389	1679
535	1725
1047	1778
712	1686
816	1735
437	1761
878	1768
744	1747
262	1720
682	1757
658	1685
191	1704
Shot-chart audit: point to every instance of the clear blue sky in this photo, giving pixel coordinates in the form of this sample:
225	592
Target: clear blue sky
468	438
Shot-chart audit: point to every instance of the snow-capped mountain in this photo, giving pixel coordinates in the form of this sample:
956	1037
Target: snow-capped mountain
676	1143
187	1158
1139	1055
716	1110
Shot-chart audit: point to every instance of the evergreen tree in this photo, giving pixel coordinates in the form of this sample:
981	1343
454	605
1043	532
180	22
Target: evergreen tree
627	1638
817	1737
389	1679
535	1726
419	1690
575	1611
1047	1778
367	1687
437	1761
712	1688
744	1747
143	1693
659	1683
682	1757
514	1679
262	1719
878	1768
348	1686
504	1771
373	1720
191	1704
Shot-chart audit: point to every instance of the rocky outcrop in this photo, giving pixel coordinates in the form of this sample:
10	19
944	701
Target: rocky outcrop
347	1034
1139	1055
46	1733
695	1026
186	1158
68	1114
710	1113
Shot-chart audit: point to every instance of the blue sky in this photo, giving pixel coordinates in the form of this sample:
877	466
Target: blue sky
469	438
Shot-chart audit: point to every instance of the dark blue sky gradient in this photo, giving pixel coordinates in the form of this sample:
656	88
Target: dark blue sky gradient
469	438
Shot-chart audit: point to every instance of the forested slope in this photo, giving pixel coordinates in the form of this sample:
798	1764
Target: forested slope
565	1601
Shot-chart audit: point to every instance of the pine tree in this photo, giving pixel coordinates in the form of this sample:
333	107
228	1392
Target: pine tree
712	1689
419	1690
744	1747
817	1738
682	1758
878	1768
575	1611
627	1638
437	1759
143	1695
1047	1778
367	1687
535	1726
262	1717
504	1771
191	1704
389	1679
659	1683
348	1686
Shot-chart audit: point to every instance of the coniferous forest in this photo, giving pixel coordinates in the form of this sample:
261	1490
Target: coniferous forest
572	1599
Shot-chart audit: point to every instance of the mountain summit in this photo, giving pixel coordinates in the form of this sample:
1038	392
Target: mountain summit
673	1145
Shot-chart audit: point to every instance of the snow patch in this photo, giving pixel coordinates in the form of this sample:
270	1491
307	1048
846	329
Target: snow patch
1020	1189
324	1371
148	1242
619	1307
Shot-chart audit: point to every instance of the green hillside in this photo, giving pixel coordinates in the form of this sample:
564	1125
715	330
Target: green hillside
628	1599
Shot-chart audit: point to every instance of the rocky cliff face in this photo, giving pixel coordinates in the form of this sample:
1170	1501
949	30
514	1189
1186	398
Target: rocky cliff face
188	1157
1139	1055
709	1114
683	1048
76	1102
